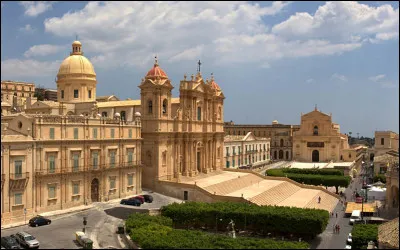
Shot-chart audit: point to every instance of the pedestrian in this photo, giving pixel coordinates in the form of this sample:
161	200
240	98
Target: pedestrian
336	214
334	228
338	229
319	199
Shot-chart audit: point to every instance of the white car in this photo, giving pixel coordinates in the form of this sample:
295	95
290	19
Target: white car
347	247
349	239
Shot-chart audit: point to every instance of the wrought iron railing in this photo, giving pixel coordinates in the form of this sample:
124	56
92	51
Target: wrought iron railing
19	176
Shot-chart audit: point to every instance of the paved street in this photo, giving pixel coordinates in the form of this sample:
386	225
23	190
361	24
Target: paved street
102	224
330	240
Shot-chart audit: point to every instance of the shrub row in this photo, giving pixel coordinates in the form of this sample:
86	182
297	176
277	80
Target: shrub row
158	234
364	233
316	171
313	179
259	219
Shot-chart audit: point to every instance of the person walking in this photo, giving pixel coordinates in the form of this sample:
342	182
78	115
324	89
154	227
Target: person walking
319	199
338	229
336	214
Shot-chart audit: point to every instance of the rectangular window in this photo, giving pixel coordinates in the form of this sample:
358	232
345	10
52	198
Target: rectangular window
18	199
90	94
18	168
246	148
199	113
52	192
245	160
76	93
112	183
104	114
112	133
130	133
227	151
130	157
51	133
239	162
52	164
94	131
234	150
95	160
76	162
112	159
75	190
227	164
75	133
239	148
233	163
130	180
62	94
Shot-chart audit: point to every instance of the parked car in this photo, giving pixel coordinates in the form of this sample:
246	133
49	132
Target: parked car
148	198
27	240
347	247
131	202
138	197
349	239
39	221
9	242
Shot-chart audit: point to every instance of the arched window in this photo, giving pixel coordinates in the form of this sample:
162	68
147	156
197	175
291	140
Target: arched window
281	142
315	130
219	113
382	141
123	115
150	106
349	155
164	106
199	113
239	132
287	155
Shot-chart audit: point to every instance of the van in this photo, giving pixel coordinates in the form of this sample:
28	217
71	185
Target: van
355	216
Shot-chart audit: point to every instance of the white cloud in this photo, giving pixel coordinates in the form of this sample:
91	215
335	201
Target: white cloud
27	28
376	78
14	68
129	34
311	80
342	21
35	8
42	50
337	76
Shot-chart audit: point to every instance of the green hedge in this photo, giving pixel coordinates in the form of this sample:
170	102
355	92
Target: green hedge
155	234
317	171
380	177
313	179
260	219
364	233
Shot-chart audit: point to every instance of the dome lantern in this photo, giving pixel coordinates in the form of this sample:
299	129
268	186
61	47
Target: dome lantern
76	48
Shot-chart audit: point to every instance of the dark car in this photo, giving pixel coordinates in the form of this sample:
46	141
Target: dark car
9	242
139	197
131	202
39	221
148	198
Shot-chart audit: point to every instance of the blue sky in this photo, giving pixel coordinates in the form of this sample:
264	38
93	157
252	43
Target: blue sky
273	60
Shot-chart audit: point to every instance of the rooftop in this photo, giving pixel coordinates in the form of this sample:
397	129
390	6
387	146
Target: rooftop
388	233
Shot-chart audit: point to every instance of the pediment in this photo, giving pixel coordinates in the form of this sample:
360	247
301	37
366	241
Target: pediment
39	105
249	137
199	87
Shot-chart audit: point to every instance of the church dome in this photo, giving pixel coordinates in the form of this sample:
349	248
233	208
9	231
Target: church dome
156	71
76	63
213	84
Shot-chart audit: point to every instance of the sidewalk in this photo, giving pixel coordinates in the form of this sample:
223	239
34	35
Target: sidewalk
56	213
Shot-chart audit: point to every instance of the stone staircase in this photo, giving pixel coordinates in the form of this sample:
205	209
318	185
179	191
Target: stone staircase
275	195
328	202
233	185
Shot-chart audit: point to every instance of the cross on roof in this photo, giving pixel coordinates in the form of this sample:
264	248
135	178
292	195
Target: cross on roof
199	63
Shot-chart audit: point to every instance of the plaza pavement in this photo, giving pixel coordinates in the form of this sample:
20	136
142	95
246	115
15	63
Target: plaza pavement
103	219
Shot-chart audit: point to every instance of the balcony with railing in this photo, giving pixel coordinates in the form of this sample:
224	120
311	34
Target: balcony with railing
19	176
18	181
48	171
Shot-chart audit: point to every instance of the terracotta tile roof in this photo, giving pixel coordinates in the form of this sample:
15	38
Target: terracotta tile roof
388	233
156	71
386	158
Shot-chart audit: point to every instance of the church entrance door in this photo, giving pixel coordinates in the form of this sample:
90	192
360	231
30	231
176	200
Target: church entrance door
315	156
